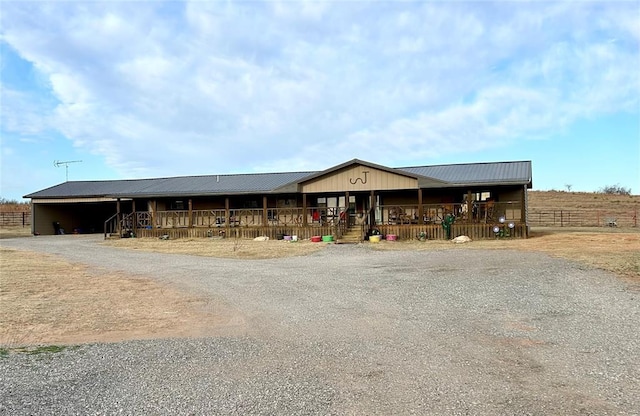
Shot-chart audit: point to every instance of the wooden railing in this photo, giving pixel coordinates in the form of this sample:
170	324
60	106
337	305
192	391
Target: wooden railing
245	217
485	212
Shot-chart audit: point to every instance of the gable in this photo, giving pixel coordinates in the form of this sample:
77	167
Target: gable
359	177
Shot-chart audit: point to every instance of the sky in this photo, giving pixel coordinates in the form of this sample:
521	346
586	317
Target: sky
142	89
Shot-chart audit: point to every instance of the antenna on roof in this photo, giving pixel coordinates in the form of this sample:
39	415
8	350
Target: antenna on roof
58	163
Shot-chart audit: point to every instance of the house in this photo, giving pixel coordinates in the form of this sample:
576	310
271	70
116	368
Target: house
480	200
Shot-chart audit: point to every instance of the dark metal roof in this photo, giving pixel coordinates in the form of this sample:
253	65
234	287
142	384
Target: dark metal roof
499	173
176	186
495	173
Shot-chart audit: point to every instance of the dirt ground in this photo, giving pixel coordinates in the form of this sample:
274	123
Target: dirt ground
47	300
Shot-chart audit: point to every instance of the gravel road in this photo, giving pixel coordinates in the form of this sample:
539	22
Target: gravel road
350	330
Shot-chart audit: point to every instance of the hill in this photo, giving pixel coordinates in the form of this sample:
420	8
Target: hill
582	209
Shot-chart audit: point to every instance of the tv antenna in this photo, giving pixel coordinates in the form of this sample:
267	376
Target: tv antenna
58	163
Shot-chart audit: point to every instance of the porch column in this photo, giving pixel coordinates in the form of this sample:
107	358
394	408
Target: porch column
372	216
155	219
420	207
523	205
190	222
152	213
304	210
264	211
134	219
227	216
469	207
346	210
119	217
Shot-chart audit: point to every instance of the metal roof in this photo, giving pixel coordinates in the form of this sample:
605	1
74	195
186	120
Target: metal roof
494	173
454	175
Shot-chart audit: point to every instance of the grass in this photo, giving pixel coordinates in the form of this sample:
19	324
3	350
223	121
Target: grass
224	248
615	250
33	350
15	232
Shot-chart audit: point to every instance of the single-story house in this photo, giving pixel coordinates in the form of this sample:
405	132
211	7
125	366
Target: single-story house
355	198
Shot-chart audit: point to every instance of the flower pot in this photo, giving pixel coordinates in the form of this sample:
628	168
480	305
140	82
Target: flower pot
375	238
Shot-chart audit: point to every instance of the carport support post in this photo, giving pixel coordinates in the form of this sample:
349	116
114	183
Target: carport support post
190	223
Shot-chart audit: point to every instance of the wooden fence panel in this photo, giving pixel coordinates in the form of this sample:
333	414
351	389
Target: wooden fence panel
15	219
584	218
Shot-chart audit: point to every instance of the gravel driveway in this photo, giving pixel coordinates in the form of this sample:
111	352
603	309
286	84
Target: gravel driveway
350	330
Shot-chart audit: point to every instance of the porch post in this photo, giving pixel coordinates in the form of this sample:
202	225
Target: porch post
119	217
372	216
420	207
152	213
264	211
346	210
134	219
523	206
155	210
304	210
469	207
227	216
190	222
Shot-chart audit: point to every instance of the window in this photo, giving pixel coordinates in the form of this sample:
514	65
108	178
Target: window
176	205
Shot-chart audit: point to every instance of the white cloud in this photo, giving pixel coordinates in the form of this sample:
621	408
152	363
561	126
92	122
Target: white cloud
210	86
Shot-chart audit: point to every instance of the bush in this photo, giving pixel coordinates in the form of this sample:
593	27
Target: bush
615	190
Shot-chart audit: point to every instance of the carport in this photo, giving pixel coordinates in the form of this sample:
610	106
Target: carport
75	215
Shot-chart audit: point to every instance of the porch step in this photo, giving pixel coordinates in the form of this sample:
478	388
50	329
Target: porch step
351	236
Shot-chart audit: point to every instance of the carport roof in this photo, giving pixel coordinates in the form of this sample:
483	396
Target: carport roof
496	173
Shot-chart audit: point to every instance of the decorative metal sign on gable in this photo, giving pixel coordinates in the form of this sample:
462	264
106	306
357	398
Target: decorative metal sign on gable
362	181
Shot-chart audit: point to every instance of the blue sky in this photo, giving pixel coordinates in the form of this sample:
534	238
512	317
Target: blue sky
146	89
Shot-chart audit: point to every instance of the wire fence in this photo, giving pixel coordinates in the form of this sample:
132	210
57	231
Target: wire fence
15	219
584	218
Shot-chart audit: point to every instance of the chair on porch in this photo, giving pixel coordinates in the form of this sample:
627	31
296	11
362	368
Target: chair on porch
489	213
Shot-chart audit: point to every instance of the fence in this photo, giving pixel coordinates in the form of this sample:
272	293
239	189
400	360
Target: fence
15	219
583	218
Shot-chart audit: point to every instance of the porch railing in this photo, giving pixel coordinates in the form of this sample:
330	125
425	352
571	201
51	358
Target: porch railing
318	216
485	212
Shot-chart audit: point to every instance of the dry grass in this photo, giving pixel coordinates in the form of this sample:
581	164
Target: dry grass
614	250
555	200
46	300
227	248
14	232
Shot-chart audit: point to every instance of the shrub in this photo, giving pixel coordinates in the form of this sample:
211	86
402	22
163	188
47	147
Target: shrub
615	190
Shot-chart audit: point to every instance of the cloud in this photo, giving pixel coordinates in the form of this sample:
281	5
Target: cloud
201	87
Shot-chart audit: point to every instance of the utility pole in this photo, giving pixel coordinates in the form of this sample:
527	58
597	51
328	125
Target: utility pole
58	163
